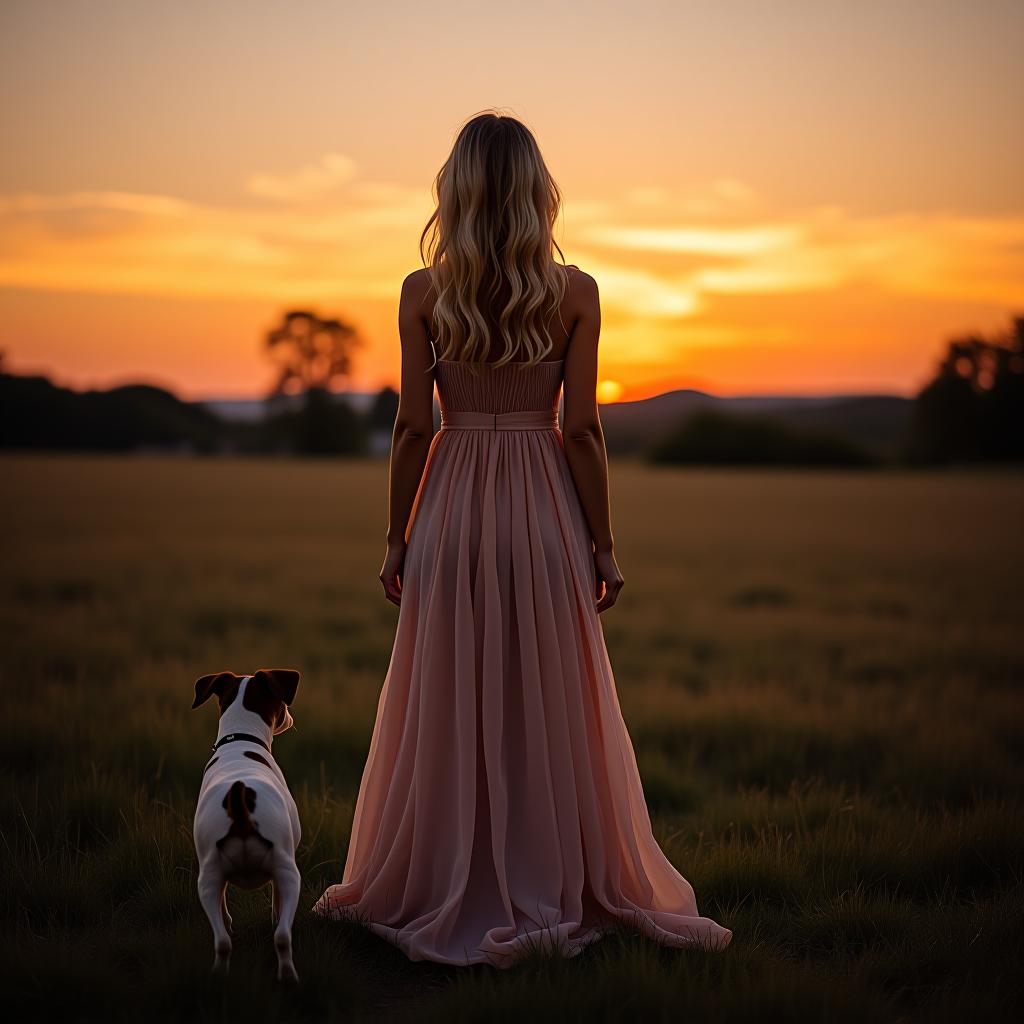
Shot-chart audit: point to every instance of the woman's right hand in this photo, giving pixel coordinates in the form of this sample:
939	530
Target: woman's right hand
608	577
391	571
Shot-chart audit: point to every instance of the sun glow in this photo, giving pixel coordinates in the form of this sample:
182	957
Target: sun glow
609	391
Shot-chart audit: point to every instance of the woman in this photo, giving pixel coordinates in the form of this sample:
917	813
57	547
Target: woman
501	808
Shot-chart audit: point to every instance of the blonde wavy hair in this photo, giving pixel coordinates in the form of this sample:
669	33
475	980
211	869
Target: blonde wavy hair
494	222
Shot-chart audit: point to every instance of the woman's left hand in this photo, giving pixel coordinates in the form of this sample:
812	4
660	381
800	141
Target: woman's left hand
391	571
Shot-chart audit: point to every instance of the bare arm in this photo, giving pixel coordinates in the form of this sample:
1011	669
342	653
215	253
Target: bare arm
583	437
413	430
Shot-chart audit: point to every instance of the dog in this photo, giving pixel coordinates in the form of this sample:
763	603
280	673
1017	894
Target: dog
246	827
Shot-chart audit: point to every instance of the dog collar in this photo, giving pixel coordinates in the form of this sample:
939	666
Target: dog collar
234	737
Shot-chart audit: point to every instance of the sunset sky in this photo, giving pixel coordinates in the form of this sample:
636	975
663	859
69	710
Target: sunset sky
774	197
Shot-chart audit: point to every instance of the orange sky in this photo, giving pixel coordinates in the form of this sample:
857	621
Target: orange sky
778	197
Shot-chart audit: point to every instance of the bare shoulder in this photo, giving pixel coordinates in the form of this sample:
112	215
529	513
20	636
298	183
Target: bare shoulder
581	301
582	287
416	284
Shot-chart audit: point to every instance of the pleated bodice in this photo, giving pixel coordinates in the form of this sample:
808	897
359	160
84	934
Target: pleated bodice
513	387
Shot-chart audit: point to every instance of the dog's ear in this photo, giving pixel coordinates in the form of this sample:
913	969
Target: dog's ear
283	682
207	686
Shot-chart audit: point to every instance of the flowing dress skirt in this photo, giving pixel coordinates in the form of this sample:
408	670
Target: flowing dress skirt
500	808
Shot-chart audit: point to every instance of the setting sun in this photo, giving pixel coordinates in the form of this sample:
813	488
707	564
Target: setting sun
609	391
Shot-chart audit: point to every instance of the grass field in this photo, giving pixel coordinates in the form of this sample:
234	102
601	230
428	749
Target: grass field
822	674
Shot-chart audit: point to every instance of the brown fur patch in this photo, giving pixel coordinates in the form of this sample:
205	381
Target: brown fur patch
226	699
256	757
283	682
232	802
240	802
267	705
222	684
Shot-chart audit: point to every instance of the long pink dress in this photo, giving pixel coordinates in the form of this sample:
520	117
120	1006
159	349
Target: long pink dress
500	808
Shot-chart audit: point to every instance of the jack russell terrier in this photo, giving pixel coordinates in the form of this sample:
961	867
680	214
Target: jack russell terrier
247	825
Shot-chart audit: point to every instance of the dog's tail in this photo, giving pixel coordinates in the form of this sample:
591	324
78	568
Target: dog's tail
239	802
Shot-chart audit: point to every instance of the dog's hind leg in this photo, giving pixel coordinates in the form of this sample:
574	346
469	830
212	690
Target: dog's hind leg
287	884
211	895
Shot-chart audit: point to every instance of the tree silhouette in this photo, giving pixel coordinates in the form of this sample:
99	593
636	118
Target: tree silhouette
313	355
311	352
973	409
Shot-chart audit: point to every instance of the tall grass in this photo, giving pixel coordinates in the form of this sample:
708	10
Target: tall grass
821	674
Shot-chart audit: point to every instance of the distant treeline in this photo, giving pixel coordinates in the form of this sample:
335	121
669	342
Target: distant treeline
37	414
972	411
716	438
34	413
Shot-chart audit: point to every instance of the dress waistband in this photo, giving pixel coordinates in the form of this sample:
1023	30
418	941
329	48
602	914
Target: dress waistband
527	419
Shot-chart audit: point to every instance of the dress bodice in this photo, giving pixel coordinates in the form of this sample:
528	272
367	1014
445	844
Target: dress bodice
513	387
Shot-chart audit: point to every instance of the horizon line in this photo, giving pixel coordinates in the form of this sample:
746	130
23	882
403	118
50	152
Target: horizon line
221	397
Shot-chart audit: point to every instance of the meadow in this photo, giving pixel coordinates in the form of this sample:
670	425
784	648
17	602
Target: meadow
822	673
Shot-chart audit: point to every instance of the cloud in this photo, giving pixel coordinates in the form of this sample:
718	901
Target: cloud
694	239
128	202
331	235
307	183
315	241
943	256
641	293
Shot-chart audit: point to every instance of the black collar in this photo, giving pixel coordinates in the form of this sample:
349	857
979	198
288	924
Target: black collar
234	737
